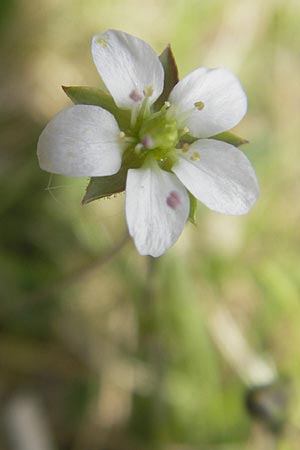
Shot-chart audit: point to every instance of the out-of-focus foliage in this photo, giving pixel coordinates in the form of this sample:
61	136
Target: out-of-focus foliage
121	354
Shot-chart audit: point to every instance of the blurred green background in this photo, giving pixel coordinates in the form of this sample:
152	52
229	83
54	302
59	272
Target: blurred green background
120	352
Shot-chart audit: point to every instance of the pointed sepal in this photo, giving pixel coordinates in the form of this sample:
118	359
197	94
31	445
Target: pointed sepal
85	95
193	208
100	187
171	76
230	138
227	136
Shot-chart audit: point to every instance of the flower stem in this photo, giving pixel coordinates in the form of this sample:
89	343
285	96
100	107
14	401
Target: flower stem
151	352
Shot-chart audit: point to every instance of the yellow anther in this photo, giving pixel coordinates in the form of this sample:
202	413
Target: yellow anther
148	91
182	132
185	147
167	104
122	136
199	105
102	41
195	156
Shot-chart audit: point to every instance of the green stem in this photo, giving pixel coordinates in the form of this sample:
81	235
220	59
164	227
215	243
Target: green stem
151	352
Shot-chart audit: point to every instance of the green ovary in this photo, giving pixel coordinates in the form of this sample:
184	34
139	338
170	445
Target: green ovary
162	131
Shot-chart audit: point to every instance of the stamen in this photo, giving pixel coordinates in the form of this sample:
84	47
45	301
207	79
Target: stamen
166	106
136	96
173	200
122	136
127	139
148	91
199	105
195	156
183	131
130	140
134	114
185	147
144	111
171	111
138	148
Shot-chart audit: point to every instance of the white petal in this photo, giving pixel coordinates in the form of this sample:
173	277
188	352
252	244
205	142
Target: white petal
157	207
222	178
224	101
127	66
81	141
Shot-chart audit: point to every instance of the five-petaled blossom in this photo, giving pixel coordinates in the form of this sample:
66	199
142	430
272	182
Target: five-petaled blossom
85	140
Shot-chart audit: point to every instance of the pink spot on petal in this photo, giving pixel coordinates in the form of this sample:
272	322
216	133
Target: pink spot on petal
174	200
136	96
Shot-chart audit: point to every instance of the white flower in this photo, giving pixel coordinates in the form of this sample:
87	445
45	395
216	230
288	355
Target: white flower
85	140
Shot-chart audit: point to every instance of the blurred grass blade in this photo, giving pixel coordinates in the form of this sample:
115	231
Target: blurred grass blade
100	187
171	76
85	95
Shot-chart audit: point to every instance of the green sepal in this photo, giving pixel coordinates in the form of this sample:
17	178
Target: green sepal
171	76
193	208
85	95
100	187
230	138
227	136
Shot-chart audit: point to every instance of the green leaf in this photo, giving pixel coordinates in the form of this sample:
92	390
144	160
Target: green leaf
85	95
100	187
193	208
230	138
171	76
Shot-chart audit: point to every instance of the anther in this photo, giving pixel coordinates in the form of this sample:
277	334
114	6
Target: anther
183	131
173	200
135	96
199	105
148	91
185	147
122	136
102	41
195	156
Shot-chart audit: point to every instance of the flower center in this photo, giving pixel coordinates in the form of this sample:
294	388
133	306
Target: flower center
154	134
159	132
